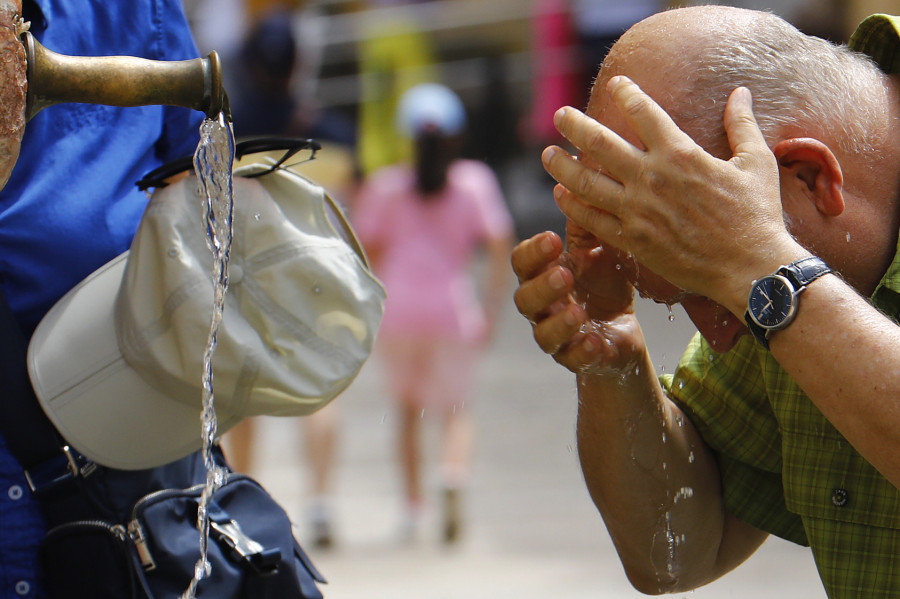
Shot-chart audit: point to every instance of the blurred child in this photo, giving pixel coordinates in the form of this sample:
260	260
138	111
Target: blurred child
421	224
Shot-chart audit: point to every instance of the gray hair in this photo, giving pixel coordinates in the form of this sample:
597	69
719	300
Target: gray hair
796	80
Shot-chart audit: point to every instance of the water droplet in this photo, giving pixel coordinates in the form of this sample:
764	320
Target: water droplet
173	252
691	458
664	437
681	383
257	216
317	290
848	236
618	267
671	313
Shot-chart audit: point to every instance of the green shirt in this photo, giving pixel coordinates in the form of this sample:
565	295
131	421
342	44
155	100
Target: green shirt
785	469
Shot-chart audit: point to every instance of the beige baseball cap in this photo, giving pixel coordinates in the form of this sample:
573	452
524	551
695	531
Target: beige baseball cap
117	363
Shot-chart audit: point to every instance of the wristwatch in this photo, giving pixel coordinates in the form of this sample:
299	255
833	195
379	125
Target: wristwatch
773	300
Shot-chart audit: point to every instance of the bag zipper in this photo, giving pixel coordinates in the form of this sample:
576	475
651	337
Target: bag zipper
117	530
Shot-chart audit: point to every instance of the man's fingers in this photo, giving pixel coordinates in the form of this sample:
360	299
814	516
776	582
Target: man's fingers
599	145
744	136
589	183
559	330
533	255
602	224
535	296
653	126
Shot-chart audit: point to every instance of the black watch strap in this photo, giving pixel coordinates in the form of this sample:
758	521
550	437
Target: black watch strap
800	273
803	272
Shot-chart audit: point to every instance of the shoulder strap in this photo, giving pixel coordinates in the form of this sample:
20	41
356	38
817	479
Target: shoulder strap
49	464
29	434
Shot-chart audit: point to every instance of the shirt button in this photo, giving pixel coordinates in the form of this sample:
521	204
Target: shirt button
15	492
22	588
840	497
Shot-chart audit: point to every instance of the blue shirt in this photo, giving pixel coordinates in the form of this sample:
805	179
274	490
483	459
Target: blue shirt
71	203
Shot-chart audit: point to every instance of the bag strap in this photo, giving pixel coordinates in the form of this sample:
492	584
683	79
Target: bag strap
48	462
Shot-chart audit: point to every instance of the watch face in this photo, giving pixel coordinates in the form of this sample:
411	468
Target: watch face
771	303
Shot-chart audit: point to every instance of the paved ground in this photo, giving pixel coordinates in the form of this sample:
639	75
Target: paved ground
531	531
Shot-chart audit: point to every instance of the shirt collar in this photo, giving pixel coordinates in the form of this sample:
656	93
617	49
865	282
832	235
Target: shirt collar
879	37
887	294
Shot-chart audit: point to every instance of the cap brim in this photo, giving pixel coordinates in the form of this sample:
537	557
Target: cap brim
99	404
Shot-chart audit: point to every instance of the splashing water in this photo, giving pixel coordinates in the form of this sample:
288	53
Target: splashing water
213	162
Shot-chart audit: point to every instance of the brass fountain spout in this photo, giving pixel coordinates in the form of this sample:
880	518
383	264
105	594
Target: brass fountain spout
121	81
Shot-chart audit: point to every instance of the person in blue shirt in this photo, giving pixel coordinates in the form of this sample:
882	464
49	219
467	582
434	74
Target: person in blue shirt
71	203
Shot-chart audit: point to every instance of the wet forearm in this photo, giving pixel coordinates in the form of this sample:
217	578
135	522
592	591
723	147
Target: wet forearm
653	480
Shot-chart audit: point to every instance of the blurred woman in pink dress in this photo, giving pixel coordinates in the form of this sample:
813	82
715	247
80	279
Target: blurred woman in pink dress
423	225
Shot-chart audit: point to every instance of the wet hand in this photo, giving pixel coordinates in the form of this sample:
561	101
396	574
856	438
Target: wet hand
582	318
709	226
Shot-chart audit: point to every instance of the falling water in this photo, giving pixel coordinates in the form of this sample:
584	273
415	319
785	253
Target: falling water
213	162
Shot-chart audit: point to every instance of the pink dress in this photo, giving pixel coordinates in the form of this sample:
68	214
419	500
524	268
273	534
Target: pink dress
425	250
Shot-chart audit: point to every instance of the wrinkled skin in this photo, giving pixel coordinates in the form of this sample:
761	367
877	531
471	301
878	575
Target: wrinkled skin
12	86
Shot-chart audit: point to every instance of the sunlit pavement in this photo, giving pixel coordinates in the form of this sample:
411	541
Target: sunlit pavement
531	530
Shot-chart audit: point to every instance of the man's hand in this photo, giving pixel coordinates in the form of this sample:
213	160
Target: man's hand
695	220
579	302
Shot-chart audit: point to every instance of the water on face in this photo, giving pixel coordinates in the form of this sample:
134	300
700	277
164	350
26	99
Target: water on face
213	162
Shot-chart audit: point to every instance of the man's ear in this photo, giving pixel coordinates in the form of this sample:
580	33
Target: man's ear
808	164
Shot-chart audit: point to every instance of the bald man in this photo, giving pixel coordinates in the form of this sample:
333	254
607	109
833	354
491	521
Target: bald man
773	423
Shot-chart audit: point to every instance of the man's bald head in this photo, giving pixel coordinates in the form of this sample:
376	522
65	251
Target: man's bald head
690	59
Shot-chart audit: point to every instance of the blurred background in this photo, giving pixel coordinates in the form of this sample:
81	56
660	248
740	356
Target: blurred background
334	70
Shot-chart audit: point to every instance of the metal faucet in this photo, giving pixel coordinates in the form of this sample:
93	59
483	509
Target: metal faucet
121	81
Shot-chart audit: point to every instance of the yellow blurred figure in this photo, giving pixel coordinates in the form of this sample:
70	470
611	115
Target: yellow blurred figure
394	55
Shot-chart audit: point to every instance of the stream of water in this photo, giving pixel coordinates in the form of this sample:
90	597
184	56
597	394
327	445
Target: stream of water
213	162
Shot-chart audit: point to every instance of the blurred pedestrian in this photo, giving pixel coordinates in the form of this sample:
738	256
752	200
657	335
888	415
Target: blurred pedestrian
421	224
269	79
